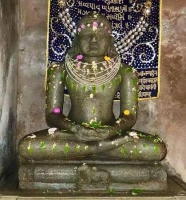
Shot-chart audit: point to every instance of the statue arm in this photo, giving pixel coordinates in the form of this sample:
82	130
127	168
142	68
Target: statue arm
128	98
55	97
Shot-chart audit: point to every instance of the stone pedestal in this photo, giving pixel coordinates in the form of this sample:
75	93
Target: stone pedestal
93	176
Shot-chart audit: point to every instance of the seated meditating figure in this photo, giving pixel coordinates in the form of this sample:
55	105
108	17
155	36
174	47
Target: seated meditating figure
92	73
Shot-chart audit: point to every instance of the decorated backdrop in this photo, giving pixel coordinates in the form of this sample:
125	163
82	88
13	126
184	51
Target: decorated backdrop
136	29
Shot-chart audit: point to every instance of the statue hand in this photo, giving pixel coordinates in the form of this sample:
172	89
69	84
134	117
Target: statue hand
90	134
124	123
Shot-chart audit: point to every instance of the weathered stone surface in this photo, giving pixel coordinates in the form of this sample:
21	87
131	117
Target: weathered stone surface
8	84
166	115
93	177
31	72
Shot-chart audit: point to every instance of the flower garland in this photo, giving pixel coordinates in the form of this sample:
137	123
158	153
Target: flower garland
96	73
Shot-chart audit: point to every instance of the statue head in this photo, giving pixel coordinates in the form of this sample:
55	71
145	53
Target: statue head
93	37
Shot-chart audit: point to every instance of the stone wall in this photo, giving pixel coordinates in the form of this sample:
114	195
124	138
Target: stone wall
164	116
8	84
31	94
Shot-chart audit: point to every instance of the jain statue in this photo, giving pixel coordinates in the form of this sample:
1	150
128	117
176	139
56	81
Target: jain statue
90	134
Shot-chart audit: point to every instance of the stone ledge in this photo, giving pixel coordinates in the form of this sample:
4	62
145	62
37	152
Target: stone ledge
176	191
92	198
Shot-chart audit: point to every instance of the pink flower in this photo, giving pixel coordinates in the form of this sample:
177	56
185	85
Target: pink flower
79	57
56	110
106	27
134	135
79	29
82	26
79	64
95	24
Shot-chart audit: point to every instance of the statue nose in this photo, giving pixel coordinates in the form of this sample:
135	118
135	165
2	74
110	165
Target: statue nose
94	38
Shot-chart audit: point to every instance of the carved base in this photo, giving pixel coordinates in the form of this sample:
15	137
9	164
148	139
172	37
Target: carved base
93	177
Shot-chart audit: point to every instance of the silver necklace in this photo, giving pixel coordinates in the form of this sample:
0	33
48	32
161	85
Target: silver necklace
91	74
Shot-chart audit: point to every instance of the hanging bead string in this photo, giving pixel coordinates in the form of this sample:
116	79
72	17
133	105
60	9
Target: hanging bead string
131	38
98	78
122	44
68	21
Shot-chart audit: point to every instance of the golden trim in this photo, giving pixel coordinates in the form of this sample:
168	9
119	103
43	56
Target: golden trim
160	43
47	45
159	53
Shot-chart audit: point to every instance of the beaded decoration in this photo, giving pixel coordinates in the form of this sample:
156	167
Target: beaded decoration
95	25
92	74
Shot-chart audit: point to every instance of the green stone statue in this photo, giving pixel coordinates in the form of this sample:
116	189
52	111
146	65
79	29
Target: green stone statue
92	73
90	149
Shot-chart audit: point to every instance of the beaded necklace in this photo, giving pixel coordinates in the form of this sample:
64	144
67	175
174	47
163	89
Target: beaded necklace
92	74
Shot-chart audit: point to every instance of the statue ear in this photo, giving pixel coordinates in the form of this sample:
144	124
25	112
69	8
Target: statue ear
112	50
74	50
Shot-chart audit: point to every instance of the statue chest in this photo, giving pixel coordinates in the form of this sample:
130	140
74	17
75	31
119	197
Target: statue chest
89	89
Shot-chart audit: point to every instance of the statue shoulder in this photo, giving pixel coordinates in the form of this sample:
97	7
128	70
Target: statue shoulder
127	69
56	66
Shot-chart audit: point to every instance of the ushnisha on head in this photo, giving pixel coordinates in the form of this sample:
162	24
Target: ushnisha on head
93	37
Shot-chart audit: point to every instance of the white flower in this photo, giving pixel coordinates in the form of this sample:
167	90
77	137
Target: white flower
86	148
94	28
100	144
51	131
131	151
133	89
94	66
134	70
134	135
32	136
118	121
91	96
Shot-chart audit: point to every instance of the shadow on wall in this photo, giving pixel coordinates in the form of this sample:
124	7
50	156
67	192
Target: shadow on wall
8	85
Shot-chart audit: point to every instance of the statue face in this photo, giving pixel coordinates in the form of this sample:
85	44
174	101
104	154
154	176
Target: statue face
94	43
